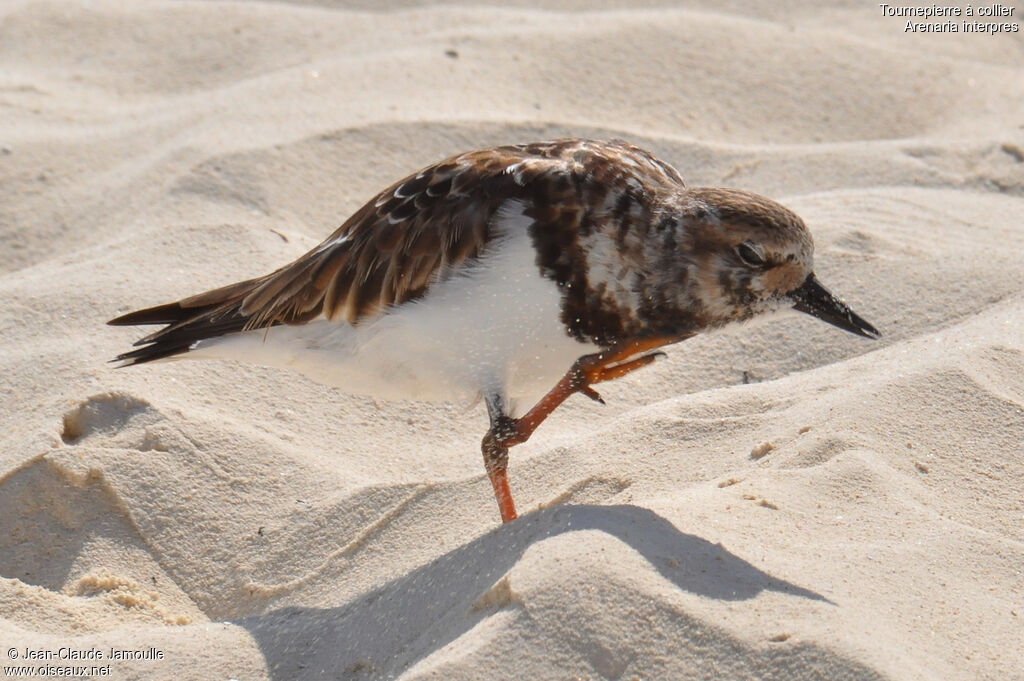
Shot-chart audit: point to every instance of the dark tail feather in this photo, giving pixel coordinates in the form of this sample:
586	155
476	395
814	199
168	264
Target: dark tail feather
208	315
189	308
181	335
161	314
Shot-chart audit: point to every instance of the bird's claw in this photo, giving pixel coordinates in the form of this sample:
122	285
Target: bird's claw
592	394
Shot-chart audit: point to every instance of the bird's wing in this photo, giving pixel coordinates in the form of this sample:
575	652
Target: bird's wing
412	234
391	250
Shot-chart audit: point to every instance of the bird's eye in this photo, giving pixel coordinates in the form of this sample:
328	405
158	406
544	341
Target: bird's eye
752	255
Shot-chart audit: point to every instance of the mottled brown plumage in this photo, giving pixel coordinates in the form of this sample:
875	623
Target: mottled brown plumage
425	226
595	251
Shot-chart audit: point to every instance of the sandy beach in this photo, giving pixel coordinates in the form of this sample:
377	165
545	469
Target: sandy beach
773	501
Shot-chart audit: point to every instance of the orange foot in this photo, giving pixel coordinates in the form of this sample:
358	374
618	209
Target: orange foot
506	432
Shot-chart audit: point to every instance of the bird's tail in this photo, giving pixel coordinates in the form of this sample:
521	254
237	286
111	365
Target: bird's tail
187	321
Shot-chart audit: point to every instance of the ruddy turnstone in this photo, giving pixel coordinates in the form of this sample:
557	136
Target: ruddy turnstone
520	274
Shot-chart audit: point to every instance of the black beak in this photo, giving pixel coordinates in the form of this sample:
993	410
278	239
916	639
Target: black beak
815	300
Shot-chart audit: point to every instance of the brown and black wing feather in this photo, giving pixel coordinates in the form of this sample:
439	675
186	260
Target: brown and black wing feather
395	247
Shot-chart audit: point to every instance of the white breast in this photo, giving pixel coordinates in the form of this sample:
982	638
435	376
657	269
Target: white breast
493	327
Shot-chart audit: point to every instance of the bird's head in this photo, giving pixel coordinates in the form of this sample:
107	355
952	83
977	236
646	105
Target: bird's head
747	254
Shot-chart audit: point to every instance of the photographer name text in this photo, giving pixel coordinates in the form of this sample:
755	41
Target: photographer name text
83	654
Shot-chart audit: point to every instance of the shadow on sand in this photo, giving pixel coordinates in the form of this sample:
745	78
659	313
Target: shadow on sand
384	632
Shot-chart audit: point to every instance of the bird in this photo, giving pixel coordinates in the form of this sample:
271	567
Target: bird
517	275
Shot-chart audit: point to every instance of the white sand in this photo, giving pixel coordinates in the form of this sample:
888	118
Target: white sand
250	524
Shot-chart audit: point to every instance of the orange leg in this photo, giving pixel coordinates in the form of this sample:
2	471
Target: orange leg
506	432
496	463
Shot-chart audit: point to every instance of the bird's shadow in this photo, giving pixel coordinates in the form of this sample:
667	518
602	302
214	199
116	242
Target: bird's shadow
387	630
